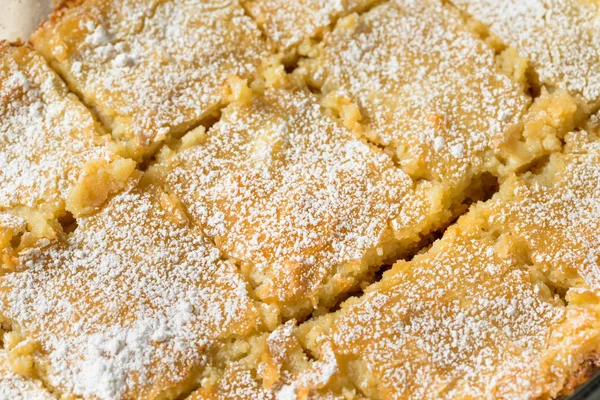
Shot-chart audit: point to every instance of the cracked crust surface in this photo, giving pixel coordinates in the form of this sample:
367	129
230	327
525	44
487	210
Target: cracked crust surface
426	89
51	148
288	201
273	366
560	37
150	69
305	207
129	305
504	305
289	23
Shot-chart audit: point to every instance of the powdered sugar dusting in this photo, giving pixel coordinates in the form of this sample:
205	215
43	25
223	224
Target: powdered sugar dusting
560	37
152	68
129	304
425	86
447	325
476	315
558	218
293	195
295	376
11	222
287	23
46	135
137	300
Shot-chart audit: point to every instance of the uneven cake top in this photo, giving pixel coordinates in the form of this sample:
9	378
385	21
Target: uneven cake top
275	368
503	305
288	23
46	136
425	85
240	199
151	68
557	214
560	37
301	203
469	318
128	306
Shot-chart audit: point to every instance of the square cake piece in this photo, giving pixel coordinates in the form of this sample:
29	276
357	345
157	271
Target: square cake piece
129	305
288	23
150	69
54	158
505	305
307	209
560	38
427	88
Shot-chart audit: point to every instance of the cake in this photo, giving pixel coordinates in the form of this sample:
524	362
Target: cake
428	90
261	199
504	305
305	208
148	69
271	365
143	329
559	37
289	24
56	161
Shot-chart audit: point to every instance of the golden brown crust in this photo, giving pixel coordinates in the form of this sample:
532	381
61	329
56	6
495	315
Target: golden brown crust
560	38
162	299
320	200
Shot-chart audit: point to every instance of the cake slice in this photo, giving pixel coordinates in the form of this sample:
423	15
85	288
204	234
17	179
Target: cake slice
150	69
559	37
307	209
505	305
129	305
431	92
54	158
289	23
